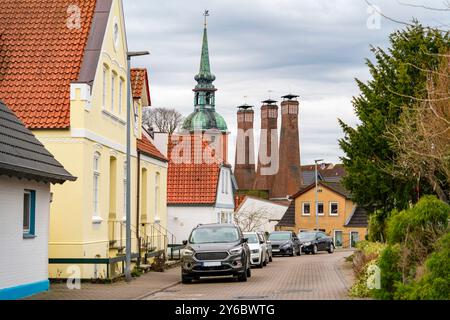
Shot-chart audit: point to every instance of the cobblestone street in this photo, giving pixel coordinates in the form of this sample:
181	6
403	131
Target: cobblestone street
321	276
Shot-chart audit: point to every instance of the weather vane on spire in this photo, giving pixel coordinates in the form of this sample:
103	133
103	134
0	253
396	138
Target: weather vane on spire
206	14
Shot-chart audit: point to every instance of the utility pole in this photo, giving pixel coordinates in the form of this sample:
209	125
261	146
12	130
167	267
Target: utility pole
317	194
128	191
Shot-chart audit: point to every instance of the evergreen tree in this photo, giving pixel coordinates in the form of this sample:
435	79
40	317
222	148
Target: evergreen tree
399	78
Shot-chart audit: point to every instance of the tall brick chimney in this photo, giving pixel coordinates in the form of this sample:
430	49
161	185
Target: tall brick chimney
268	147
244	165
288	179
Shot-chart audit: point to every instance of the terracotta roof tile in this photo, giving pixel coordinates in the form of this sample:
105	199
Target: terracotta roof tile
139	78
192	183
146	146
40	56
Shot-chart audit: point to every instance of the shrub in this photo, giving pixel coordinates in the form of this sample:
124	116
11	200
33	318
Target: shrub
377	227
426	221
435	283
391	274
360	288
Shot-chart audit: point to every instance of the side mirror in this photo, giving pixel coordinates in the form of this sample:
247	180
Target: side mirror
185	242
261	242
244	240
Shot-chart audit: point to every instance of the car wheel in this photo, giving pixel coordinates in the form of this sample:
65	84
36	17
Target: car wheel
331	249
314	250
243	276
186	279
261	262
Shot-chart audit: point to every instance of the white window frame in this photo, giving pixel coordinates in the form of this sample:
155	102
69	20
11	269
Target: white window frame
303	208
323	208
334	238
96	184
157	192
105	85
329	208
121	86
113	89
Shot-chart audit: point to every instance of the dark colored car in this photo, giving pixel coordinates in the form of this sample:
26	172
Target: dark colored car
285	243
215	250
315	241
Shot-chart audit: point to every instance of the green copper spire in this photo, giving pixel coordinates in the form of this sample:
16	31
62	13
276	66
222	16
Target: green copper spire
205	116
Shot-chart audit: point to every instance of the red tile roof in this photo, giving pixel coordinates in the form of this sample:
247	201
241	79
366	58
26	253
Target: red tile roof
139	78
145	146
40	56
192	183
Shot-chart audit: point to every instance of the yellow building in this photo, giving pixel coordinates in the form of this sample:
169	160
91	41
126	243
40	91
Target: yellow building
338	215
72	88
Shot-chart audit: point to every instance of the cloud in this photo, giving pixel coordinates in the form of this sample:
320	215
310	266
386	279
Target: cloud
312	48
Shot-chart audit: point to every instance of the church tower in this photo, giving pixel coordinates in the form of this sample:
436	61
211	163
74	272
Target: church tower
205	116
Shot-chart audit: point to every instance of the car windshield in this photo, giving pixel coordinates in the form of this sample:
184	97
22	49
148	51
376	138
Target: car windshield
280	236
252	238
307	235
214	235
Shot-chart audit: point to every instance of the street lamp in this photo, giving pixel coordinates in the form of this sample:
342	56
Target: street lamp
317	195
128	191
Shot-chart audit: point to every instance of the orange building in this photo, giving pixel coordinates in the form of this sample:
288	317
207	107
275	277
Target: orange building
337	214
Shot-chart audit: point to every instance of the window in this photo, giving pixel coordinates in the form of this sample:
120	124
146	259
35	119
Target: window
116	35
120	94
157	179
354	238
105	79
96	184
113	90
338	238
223	217
306	208
320	211
334	208
29	207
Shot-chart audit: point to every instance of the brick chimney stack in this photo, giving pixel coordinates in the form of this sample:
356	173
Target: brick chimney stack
268	147
244	165
288	179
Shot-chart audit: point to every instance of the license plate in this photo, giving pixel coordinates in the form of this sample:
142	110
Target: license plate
212	264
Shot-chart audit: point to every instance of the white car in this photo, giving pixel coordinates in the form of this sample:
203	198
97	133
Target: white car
258	251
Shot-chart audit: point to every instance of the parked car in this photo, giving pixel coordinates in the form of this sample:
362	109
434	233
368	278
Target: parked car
215	250
258	250
268	243
315	241
285	243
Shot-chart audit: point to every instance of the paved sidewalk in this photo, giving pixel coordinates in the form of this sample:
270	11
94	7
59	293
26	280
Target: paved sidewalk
138	288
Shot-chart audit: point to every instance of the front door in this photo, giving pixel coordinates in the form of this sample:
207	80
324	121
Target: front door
337	239
354	238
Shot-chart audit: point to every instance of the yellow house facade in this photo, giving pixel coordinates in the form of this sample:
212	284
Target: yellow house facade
79	113
338	215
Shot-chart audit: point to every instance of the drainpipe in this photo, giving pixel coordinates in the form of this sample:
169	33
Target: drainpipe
138	197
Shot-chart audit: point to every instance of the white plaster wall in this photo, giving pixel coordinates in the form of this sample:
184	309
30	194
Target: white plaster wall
22	260
225	196
274	211
181	220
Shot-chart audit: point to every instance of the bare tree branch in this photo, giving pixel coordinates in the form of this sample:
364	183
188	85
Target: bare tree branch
162	119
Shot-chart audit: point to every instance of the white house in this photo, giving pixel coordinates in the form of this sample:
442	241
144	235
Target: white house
259	214
26	171
198	194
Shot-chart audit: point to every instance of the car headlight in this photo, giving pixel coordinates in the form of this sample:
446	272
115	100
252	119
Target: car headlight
307	244
236	251
188	253
255	251
286	245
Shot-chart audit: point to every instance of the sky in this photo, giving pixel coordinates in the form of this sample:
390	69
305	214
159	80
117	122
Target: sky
268	48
